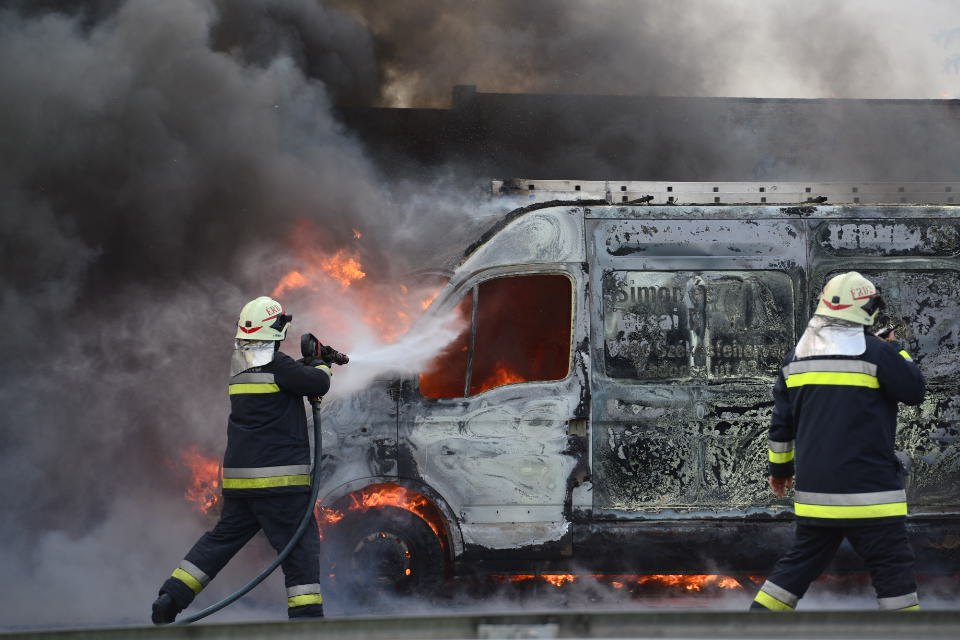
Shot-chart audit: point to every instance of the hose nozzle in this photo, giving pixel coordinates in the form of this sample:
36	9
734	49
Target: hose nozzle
313	349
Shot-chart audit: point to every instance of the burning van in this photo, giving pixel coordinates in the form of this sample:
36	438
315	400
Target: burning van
605	408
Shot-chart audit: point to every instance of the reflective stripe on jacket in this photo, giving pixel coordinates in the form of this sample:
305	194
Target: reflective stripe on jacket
834	427
268	450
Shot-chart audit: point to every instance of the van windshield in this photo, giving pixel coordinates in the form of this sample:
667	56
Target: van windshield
706	325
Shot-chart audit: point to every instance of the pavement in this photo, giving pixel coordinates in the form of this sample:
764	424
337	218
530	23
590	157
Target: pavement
812	625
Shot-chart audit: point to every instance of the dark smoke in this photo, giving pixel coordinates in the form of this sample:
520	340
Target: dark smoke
155	158
324	42
631	89
155	162
722	48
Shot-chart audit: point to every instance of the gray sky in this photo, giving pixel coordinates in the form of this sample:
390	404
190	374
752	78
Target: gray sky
771	48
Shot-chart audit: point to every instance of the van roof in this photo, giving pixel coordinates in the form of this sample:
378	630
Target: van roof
654	200
634	192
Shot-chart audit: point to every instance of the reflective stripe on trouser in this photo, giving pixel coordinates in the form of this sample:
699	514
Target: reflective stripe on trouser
846	506
776	598
292	475
909	602
304	594
240	520
883	548
190	575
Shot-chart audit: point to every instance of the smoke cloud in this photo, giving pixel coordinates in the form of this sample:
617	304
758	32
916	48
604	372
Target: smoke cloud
820	49
162	163
155	176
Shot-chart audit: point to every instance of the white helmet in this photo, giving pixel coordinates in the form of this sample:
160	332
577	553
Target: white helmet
851	297
263	319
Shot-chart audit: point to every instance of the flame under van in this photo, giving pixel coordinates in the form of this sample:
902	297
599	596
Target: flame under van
605	408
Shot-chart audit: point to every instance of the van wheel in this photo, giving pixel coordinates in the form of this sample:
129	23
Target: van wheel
386	550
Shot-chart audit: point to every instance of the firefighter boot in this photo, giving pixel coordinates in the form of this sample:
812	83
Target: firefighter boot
165	610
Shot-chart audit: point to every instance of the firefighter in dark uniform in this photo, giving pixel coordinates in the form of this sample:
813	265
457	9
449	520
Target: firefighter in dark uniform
266	467
834	424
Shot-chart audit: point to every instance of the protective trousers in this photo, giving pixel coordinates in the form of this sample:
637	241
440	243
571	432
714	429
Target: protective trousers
240	520
883	548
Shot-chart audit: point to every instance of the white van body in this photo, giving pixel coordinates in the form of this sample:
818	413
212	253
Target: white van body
645	449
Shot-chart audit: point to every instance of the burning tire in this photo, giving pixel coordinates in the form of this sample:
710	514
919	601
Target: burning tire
387	550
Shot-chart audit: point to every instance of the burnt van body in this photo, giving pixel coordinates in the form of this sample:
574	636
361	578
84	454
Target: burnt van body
606	405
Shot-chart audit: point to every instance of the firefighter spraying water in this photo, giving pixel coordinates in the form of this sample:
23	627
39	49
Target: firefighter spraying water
267	477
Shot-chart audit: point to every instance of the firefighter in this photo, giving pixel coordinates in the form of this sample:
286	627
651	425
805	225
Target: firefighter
266	467
834	424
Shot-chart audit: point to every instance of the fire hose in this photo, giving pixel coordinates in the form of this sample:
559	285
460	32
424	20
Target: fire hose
311	348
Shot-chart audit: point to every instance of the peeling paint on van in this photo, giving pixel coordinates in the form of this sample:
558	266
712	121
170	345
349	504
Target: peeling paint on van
681	317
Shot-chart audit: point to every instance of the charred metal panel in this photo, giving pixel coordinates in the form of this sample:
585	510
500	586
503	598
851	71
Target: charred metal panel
359	435
697	238
538	237
923	305
692	322
645	456
930	433
733	434
708	325
901	238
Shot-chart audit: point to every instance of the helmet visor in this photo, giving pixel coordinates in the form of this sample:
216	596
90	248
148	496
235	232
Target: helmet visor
282	320
874	304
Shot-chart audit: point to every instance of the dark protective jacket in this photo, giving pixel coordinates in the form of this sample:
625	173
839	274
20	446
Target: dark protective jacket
268	450
834	423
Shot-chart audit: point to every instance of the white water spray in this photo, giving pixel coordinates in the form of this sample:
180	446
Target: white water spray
371	359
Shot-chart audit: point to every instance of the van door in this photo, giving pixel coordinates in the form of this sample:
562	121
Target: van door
487	424
914	262
691	321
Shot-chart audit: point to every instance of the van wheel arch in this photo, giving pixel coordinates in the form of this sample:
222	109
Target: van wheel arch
454	537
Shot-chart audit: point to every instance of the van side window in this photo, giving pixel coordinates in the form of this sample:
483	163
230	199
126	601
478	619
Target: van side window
522	333
446	375
707	325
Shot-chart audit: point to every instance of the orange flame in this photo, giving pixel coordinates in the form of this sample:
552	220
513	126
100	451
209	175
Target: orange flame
690	583
343	268
559	579
393	495
502	374
426	302
326	516
204	489
385	495
293	280
389	309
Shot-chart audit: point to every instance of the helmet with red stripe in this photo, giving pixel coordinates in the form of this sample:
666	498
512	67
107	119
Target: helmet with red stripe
851	297
263	319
